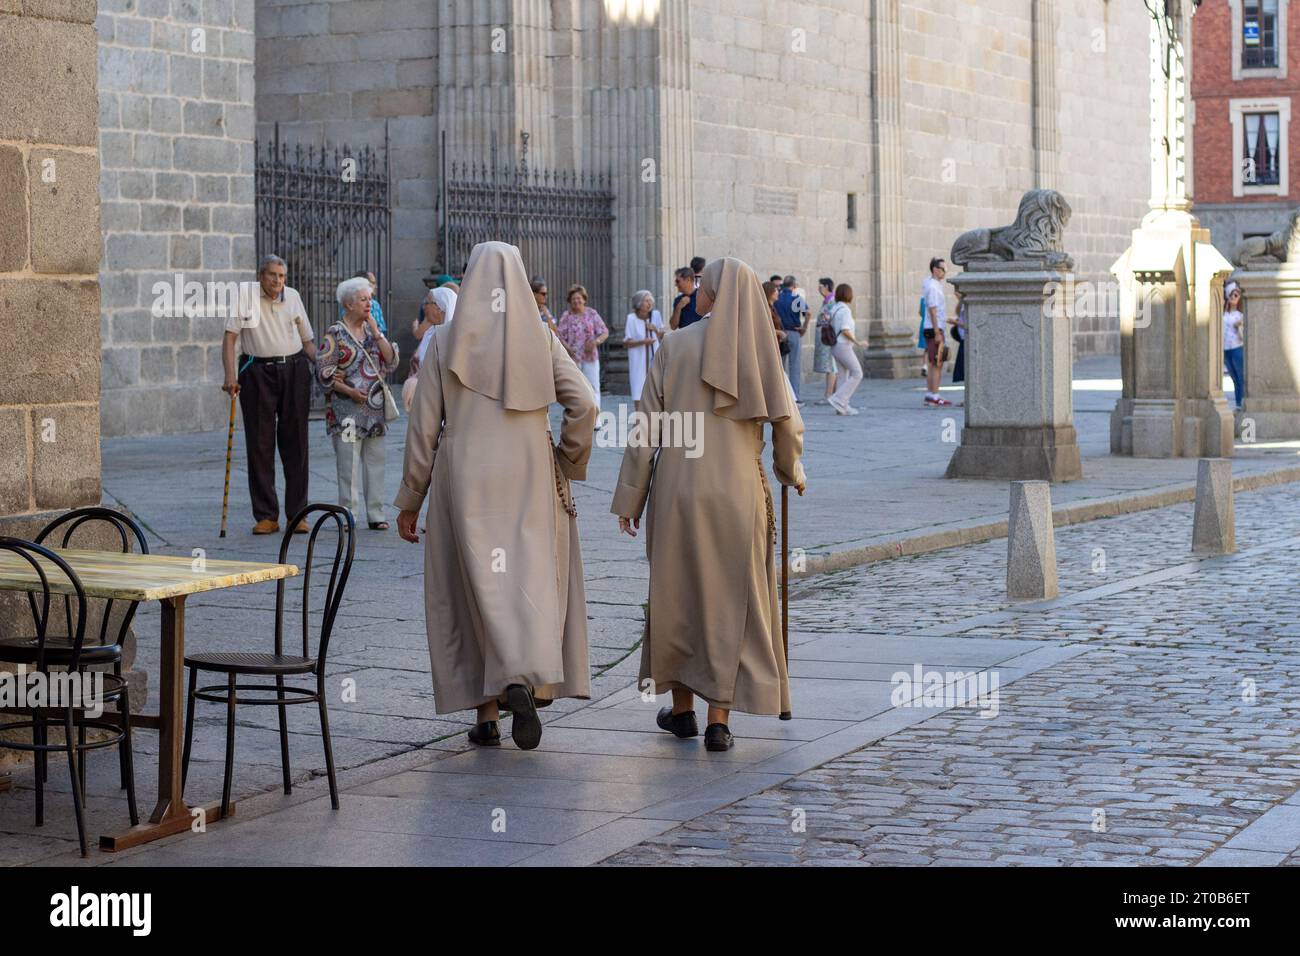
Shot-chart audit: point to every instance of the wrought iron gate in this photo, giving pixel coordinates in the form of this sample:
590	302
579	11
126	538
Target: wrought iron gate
327	212
561	221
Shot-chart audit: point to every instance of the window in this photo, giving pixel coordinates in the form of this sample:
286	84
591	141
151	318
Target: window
852	211
1260	165
1259	34
1259	38
1260	131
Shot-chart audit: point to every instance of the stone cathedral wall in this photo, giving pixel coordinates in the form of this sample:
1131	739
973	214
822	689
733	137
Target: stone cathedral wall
760	116
176	93
774	171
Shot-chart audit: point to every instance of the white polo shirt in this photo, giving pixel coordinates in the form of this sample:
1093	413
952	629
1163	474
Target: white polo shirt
282	326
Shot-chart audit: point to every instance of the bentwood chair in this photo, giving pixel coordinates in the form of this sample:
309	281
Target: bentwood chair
64	703
278	664
95	525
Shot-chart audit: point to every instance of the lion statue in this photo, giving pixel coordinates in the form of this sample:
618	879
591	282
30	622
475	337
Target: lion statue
1269	251
1035	235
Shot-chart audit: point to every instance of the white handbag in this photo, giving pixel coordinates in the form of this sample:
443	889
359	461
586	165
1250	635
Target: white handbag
391	412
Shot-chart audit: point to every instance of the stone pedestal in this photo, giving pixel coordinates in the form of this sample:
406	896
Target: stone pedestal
1171	343
1019	406
1272	309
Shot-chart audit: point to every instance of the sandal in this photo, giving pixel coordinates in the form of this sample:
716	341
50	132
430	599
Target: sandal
379	526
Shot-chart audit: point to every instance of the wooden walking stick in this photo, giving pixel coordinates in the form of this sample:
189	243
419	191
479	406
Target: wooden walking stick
785	584
230	450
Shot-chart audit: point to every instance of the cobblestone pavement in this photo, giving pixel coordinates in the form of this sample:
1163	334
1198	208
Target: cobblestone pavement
1173	732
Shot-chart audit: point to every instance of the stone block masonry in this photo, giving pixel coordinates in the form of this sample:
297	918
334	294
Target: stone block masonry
176	129
49	260
339	73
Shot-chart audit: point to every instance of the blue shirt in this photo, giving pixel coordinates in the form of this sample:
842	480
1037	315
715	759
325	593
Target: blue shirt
689	315
790	309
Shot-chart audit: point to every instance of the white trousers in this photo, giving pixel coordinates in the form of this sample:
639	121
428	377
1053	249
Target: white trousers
592	372
850	371
366	457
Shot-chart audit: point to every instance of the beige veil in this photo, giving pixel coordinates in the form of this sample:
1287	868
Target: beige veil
742	363
498	346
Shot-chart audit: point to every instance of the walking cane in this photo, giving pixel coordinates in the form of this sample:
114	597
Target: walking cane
785	584
230	450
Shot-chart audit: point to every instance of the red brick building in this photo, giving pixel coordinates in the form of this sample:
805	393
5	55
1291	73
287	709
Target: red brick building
1245	87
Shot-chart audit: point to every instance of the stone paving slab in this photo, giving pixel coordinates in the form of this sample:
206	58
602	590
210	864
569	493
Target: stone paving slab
1277	831
653	743
496	789
639	717
596	845
588	793
593	768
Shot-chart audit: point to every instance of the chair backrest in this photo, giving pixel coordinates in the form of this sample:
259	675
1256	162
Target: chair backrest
127	529
32	553
340	568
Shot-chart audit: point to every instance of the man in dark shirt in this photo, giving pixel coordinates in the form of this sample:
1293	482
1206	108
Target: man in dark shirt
793	312
684	313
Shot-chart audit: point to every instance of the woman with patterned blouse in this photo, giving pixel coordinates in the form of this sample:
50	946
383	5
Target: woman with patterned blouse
582	331
353	357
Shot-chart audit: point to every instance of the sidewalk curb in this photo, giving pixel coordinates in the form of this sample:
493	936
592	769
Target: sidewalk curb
980	531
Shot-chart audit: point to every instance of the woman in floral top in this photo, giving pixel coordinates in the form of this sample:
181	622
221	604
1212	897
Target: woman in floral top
352	357
582	331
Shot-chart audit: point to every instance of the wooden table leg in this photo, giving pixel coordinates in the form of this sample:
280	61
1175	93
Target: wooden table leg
171	680
170	814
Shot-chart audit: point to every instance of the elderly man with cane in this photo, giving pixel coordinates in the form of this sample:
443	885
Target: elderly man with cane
273	381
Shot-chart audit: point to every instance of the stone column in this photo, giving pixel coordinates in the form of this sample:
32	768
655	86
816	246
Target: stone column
480	56
675	214
1046	100
1272	332
1171	323
891	338
637	124
49	275
1019	404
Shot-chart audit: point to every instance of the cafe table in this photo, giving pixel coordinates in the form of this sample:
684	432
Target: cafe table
168	580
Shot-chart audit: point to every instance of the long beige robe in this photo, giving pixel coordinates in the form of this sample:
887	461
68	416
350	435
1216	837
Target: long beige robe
504	598
714	622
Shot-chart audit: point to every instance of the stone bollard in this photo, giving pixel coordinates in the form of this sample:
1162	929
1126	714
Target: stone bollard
1031	544
1214	525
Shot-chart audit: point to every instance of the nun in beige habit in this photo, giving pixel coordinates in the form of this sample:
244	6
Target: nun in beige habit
503	595
713	625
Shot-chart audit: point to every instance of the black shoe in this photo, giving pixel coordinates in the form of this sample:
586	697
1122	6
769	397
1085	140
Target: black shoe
682	725
718	738
525	726
486	734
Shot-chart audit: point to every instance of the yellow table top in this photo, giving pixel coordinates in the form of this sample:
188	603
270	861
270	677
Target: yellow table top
137	577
